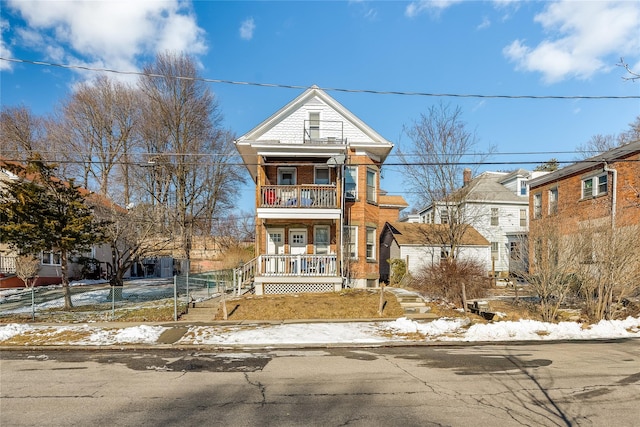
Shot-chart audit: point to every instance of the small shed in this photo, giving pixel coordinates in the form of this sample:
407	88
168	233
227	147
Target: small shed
422	245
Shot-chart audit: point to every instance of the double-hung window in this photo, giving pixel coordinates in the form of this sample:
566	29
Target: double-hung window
523	217
553	201
494	216
495	250
594	186
351	240
537	205
371	243
371	186
321	239
351	182
314	125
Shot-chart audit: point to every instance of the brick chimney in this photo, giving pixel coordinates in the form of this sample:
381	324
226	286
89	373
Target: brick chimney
466	177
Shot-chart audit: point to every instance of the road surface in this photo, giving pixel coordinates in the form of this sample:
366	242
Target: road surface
546	384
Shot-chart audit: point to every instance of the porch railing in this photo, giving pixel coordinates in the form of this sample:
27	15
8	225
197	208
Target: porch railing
298	196
7	264
296	265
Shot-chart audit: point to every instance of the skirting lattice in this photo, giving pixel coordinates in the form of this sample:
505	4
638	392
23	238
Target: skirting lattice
295	288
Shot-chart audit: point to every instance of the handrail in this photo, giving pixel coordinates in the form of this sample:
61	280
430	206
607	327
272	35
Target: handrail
299	196
297	265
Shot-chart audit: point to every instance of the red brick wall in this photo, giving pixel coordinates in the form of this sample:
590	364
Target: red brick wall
573	209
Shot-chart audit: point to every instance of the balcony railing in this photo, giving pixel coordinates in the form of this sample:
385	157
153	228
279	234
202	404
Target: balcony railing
296	265
298	196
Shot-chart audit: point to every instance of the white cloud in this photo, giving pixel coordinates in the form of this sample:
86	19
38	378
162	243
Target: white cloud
247	28
415	8
5	51
582	37
114	34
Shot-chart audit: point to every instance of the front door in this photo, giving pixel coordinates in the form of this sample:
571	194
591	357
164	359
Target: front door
297	247
275	247
297	242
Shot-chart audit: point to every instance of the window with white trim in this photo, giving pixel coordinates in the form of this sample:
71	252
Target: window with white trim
321	175
494	216
594	186
523	217
553	201
371	186
444	216
537	205
351	182
523	187
371	243
351	241
314	124
286	176
50	258
495	250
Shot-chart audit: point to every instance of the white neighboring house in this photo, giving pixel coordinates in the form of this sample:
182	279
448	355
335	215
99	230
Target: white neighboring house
420	245
496	204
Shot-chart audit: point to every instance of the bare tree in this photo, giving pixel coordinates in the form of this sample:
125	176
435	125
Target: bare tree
600	143
609	269
21	133
133	235
27	268
193	172
434	165
548	263
631	75
96	125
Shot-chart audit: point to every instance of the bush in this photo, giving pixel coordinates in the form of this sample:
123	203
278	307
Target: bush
444	280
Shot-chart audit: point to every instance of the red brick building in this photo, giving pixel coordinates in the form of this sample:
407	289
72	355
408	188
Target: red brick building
603	190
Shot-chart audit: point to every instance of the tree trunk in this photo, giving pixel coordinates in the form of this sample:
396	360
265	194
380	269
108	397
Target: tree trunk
65	280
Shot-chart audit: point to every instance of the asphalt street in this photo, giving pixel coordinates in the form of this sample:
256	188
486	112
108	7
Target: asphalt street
550	384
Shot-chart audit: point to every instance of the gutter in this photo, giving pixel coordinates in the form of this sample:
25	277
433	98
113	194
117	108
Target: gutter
614	186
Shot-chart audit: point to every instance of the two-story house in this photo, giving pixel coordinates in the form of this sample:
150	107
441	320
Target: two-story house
319	207
496	204
603	190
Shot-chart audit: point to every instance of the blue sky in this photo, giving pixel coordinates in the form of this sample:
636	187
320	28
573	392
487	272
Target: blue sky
562	48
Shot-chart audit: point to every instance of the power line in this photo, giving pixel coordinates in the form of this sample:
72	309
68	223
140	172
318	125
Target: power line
326	89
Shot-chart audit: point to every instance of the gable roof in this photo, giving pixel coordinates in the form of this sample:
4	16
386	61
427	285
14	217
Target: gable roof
591	163
254	143
411	233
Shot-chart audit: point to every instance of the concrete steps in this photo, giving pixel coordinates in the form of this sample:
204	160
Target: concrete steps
202	311
413	305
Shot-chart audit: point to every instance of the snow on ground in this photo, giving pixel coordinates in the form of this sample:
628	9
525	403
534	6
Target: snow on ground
82	334
400	330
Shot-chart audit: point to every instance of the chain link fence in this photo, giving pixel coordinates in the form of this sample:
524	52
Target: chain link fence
138	300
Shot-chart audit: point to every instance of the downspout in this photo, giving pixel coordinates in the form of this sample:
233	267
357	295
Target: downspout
614	186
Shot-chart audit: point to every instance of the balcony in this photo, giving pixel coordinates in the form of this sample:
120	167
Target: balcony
299	196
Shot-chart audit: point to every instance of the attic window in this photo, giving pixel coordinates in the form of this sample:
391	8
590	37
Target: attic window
314	125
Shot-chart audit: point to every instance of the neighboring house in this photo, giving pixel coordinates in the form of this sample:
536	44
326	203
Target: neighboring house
319	207
49	272
496	204
603	190
420	245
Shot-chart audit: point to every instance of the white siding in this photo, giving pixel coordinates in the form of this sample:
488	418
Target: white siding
425	256
290	130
